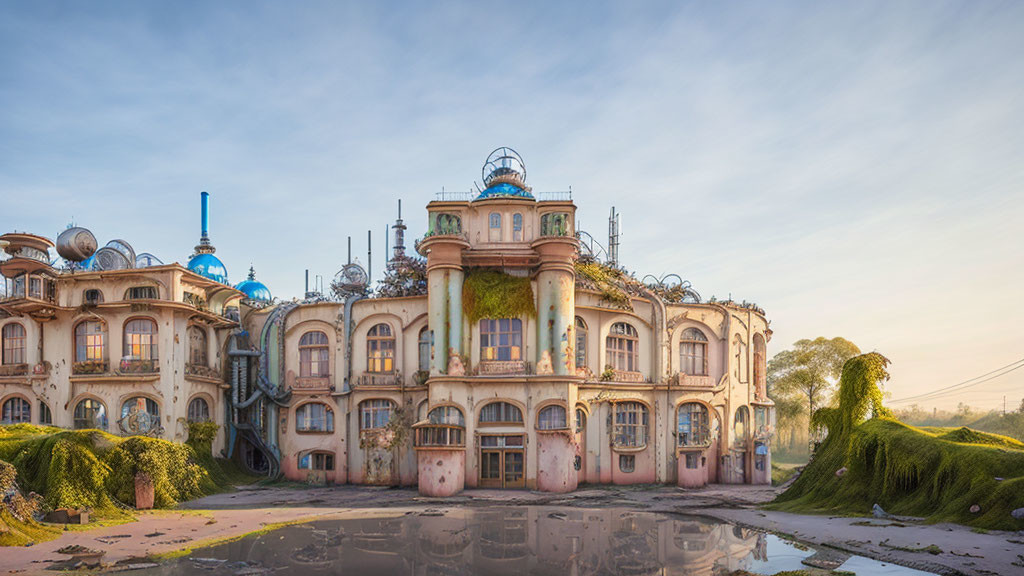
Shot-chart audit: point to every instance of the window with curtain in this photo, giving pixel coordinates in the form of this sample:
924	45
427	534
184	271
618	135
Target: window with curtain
313	355
501	413
375	414
16	411
517	227
424	349
314	417
501	339
581	343
623	348
197	348
45	416
13	336
90	341
552	418
140	339
198	410
380	349
445	427
693	352
630	428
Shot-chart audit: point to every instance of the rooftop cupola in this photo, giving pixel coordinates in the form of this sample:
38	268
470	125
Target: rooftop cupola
203	262
504	175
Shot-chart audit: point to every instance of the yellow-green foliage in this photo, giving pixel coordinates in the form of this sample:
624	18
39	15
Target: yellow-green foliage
493	294
608	281
965	435
170	466
17	527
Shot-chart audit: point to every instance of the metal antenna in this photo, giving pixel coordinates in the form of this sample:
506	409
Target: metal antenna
369	257
349	249
613	238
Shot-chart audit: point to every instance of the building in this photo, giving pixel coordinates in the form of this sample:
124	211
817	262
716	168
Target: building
508	356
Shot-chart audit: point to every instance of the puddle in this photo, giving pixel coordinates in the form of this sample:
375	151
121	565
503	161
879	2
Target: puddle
513	540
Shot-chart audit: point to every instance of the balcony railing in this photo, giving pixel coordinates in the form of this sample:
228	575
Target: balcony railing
312	383
623	376
449	196
503	368
693	380
90	367
136	366
557	196
201	370
379	379
14	370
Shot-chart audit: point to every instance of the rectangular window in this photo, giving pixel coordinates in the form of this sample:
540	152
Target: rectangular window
627	462
692	461
375	414
501	340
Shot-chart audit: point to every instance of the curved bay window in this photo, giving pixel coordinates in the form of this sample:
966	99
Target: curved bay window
445	426
380	349
197	348
90	413
692	425
139	415
693	353
623	348
552	418
375	414
140	346
313	355
314	417
741	425
501	413
501	340
581	343
198	410
630	428
16	411
13	344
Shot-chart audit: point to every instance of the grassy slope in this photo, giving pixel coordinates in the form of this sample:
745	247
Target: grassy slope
937	474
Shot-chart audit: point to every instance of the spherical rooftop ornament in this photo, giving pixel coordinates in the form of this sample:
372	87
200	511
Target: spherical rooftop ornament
76	244
253	288
209	266
504	174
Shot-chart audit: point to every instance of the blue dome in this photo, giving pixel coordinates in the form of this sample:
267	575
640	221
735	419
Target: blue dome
210	266
504	189
253	288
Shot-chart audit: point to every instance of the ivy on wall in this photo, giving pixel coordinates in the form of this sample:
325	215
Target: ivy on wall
611	283
493	294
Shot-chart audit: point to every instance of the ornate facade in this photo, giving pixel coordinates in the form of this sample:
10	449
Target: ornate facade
503	358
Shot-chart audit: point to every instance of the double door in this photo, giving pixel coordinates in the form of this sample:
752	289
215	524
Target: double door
502	461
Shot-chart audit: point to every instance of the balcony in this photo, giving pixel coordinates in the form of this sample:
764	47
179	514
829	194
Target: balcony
379	379
202	371
504	368
695	381
312	383
90	367
612	375
137	366
14	370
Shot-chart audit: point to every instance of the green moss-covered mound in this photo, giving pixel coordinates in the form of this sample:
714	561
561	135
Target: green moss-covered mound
95	470
965	435
17	527
493	294
938	475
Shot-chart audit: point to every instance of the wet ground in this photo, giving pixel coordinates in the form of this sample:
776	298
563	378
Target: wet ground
542	540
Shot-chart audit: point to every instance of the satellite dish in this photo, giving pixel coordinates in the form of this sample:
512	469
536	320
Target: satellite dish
108	258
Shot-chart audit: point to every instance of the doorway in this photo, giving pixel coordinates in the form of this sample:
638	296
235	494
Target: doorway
502	462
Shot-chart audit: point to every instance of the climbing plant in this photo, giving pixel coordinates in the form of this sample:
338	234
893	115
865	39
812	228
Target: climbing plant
493	294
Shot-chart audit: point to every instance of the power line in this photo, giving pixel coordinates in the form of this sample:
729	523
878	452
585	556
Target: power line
965	384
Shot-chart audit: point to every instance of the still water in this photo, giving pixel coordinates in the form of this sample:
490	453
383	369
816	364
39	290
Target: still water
510	540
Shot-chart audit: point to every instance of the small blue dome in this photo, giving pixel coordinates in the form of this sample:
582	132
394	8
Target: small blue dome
210	266
504	189
254	289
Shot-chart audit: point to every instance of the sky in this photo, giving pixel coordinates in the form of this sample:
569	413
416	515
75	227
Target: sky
856	169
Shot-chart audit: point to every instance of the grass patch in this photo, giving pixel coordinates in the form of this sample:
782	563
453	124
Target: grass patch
781	473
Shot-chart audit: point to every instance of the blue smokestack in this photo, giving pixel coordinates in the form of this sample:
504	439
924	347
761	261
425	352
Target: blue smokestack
206	214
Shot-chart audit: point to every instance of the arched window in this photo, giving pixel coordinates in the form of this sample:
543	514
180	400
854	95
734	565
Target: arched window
314	417
552	418
90	341
445	426
693	353
90	413
142	293
760	365
318	460
139	415
92	297
380	349
741	425
623	348
630	430
494	227
197	349
501	340
517	227
740	354
13	344
313	355
140	340
45	416
581	420
16	411
501	413
375	414
692	427
581	343
198	410
424	349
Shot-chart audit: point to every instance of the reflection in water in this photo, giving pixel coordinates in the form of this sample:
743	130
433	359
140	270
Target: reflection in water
521	540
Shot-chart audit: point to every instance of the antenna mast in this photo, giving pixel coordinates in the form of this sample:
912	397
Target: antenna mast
613	238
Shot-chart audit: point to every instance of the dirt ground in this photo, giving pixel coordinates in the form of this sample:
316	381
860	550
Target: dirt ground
229	515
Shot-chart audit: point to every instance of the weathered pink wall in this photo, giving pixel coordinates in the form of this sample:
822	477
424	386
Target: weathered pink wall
441	472
692	477
290	469
643	472
556	451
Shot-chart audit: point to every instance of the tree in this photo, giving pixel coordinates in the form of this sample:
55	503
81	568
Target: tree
806	375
